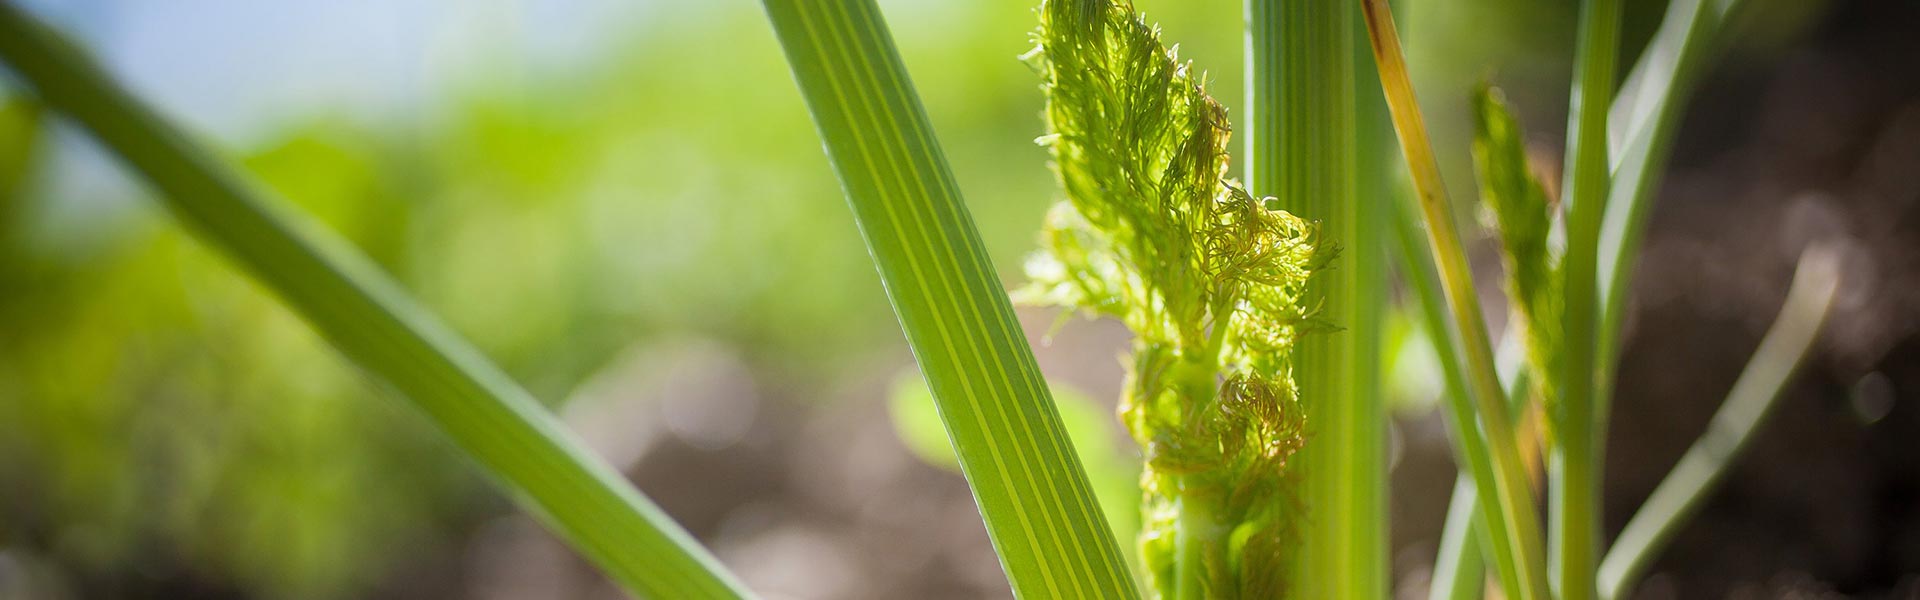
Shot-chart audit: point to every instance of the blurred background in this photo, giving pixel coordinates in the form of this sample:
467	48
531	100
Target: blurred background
624	204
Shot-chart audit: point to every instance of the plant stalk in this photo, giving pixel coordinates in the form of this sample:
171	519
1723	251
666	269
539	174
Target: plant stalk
1198	529
1460	566
1574	460
1302	150
1459	570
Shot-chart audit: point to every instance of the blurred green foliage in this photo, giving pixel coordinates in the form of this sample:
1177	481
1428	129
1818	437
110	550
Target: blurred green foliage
163	419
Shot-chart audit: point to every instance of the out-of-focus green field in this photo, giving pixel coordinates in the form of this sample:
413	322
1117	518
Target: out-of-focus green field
166	426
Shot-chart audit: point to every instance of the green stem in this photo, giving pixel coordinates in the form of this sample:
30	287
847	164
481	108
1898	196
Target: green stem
1459	569
1574	460
1753	397
1493	460
1198	535
1046	526
1302	149
370	319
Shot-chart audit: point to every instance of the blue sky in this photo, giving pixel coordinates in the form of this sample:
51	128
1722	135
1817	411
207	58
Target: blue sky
229	67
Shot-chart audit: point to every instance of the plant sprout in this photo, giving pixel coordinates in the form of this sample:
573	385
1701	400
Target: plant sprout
1209	278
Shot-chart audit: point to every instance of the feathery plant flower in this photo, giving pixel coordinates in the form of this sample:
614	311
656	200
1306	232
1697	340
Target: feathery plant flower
1523	217
1210	279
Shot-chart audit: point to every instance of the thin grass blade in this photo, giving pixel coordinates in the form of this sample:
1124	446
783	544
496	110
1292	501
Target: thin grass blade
1648	108
373	322
1574	459
1754	394
1459	570
1493	459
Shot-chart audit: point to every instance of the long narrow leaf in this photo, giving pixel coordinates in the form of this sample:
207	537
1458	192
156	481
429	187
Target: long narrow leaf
1700	470
1574	460
1303	151
1493	459
367	316
1648	112
1045	524
1459	570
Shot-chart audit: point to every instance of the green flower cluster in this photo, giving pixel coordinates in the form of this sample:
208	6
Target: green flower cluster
1209	278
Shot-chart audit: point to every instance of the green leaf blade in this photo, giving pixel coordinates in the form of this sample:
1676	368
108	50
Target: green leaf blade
1765	379
1645	120
1033	494
1574	460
